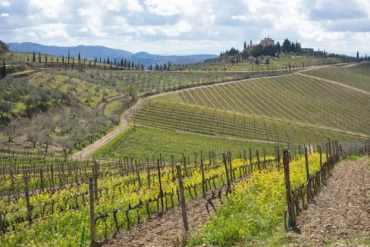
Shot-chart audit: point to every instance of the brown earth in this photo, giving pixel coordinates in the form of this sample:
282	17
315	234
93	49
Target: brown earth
166	231
340	215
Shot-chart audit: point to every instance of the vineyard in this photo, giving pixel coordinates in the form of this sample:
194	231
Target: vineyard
48	203
253	211
143	141
221	144
294	98
205	121
356	76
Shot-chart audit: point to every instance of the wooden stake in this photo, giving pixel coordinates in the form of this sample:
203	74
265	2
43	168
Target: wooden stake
182	201
92	214
203	182
320	151
307	174
292	220
160	185
227	172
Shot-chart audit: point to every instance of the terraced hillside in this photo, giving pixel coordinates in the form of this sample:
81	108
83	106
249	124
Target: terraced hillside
205	121
354	76
295	98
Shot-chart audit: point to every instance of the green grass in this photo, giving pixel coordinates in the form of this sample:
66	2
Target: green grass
116	107
141	141
201	120
356	76
295	98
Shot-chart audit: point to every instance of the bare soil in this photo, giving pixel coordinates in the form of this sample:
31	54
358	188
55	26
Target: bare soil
166	231
340	215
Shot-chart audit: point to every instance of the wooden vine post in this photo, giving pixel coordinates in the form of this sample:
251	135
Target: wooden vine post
258	160
138	173
320	151
95	174
227	172
160	185
92	214
182	200
203	182
148	172
307	174
27	196
250	160
278	157
291	219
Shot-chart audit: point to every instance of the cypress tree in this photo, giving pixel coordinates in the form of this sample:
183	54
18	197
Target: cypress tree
4	69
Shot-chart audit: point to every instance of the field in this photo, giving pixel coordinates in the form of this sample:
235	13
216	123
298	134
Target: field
294	98
128	193
145	142
201	120
356	76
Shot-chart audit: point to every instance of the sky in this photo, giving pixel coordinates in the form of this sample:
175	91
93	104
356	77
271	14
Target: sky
188	26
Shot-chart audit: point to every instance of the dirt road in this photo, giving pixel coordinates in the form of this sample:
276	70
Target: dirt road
340	215
127	116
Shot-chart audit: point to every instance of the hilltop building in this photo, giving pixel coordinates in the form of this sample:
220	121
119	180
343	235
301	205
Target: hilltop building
267	42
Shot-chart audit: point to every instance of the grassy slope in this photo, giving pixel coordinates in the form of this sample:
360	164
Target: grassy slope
141	141
201	120
293	98
356	76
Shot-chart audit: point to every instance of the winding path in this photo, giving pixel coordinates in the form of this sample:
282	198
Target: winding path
126	117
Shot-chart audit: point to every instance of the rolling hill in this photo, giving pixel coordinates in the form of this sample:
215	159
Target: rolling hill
91	52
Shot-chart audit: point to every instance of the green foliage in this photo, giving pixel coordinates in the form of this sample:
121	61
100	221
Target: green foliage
3	47
356	76
255	207
141	141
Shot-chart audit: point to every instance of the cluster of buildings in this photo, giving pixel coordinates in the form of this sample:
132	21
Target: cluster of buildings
265	43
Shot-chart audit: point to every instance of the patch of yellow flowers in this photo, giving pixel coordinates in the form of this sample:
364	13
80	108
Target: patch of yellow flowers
256	206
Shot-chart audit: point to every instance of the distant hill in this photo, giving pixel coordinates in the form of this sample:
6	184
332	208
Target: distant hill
91	52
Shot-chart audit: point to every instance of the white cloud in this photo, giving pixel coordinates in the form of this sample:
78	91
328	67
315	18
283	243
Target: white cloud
83	30
239	17
186	26
4	3
118	5
170	7
49	8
